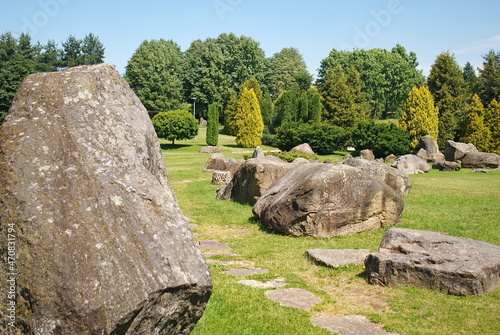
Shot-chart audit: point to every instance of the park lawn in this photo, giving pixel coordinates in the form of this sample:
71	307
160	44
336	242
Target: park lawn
461	203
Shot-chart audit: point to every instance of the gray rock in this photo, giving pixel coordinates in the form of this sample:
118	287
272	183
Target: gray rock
203	122
411	164
348	156
428	259
422	153
252	179
275	283
396	179
221	177
338	257
429	145
294	297
245	272
480	160
349	325
446	166
391	158
258	153
218	162
210	150
305	148
300	160
213	245
480	170
367	154
102	245
454	151
439	157
323	200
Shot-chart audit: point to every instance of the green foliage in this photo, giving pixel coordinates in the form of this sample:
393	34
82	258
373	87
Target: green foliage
315	106
492	120
154	73
213	125
75	52
419	117
290	156
267	109
476	132
287	71
175	125
303	108
343	99
323	138
285	109
248	120
489	77
470	79
387	77
381	138
229	114
447	85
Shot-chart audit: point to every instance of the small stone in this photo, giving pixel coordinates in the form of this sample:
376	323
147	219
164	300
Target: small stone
210	150
213	245
338	257
230	263
349	325
294	297
275	283
245	272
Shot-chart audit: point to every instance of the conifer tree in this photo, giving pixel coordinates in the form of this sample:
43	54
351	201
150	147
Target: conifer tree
489	77
229	113
419	117
303	108
213	125
476	132
492	120
248	120
315	107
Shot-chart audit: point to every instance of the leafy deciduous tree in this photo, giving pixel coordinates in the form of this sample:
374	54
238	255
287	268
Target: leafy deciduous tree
287	71
175	125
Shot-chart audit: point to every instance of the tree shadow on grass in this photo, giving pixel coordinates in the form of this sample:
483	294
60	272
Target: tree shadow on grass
262	227
165	146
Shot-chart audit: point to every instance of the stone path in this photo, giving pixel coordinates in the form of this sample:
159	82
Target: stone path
296	297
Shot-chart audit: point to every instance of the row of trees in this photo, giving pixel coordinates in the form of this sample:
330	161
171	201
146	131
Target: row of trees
20	57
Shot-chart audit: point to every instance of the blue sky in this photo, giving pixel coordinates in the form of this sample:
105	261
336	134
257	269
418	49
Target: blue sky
469	29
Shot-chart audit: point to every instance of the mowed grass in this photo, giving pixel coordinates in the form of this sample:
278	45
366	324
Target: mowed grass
462	204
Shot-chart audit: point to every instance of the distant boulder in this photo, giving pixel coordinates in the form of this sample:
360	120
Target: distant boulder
480	160
446	166
305	148
219	162
429	144
391	158
367	154
325	200
455	151
411	164
258	153
210	150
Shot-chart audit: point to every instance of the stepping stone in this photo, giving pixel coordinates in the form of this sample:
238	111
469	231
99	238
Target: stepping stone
278	282
245	272
349	325
294	297
213	245
212	254
229	263
338	257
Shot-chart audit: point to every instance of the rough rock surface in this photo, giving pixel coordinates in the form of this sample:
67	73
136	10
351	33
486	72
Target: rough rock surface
454	151
218	162
294	297
396	179
428	259
210	150
102	246
367	154
258	153
338	257
422	153
323	200
305	148
349	325
429	144
411	164
480	160
391	158
252	179
446	166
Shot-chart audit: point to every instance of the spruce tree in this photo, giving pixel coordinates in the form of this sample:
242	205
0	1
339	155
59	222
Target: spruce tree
489	77
492	120
476	132
419	117
248	120
213	125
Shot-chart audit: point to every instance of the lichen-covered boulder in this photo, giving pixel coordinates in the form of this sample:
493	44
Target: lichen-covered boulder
481	160
411	164
454	151
101	245
325	200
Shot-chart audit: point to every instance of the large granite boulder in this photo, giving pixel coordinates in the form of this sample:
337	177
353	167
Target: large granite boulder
324	200
480	160
305	148
396	179
446	166
252	178
428	259
411	164
367	154
101	244
454	151
429	144
219	162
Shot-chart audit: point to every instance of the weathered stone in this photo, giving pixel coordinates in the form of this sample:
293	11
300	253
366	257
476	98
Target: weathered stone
102	246
294	297
218	162
349	325
396	179
305	148
391	158
428	259
480	170
213	245
230	263
438	157
480	160
300	160
429	145
446	166
210	150
252	179
203	122
367	154
338	257
454	151
348	156
245	272
258	153
221	177
422	153
275	283
323	200
411	164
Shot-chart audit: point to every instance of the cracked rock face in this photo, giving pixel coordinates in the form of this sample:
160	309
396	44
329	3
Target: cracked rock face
324	200
101	244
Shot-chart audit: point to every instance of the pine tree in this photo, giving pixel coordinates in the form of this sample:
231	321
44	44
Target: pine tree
476	132
419	117
248	120
213	125
489	77
492	119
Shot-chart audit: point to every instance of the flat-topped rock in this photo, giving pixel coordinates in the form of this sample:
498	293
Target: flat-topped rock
460	266
349	325
212	245
294	297
338	257
275	283
245	272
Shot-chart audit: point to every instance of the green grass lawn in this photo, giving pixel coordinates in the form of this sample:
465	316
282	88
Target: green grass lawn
461	203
